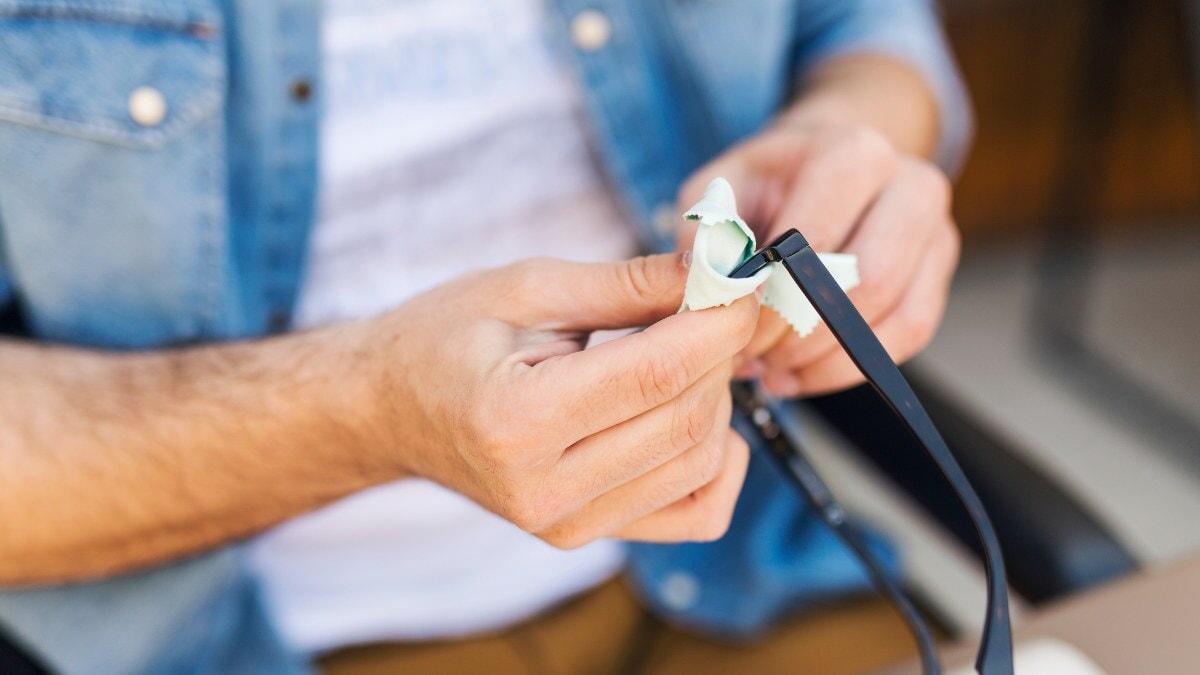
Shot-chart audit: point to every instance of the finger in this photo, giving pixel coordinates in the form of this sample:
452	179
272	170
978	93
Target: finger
759	171
903	333
796	354
892	238
771	329
565	296
609	383
793	352
620	454
833	187
674	480
889	244
703	515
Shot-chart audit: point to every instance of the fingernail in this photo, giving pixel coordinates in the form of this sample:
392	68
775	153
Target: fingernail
687	259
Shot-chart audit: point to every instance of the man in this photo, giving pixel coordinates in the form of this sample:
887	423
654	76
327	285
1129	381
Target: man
268	409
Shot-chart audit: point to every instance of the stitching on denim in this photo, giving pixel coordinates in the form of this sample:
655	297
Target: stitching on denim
601	126
180	21
212	230
105	128
114	132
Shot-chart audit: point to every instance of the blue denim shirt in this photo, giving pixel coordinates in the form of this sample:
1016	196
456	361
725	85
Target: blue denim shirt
128	235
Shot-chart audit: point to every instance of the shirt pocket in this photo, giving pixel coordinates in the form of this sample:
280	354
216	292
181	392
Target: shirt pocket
112	167
133	73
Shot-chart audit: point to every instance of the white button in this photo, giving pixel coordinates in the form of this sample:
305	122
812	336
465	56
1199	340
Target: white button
147	106
590	30
679	591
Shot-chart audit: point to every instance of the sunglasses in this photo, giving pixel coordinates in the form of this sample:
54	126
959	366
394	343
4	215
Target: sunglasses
850	329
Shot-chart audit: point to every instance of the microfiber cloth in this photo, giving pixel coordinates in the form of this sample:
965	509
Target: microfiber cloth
724	241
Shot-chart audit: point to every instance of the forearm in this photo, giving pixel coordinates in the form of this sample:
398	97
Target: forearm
113	461
874	91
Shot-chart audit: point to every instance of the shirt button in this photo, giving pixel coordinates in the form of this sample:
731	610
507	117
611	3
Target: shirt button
680	591
301	91
591	30
147	106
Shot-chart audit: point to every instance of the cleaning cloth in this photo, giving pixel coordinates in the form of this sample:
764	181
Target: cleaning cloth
724	241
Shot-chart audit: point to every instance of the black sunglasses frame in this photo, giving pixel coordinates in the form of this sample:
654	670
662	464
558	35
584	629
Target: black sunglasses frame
862	346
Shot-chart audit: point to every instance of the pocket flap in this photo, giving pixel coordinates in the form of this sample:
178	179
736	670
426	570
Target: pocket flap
129	72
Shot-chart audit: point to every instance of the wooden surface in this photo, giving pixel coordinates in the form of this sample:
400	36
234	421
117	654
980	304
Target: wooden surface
1144	625
1020	59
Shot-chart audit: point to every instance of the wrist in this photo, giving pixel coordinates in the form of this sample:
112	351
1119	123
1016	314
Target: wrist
819	109
345	386
872	91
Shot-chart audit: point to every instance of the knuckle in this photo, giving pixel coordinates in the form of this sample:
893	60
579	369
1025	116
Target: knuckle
867	140
930	181
527	275
563	543
709	460
496	436
637	276
870	145
479	427
565	537
663	375
694	420
512	444
529	511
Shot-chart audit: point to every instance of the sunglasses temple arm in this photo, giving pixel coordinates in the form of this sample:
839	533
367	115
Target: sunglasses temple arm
865	350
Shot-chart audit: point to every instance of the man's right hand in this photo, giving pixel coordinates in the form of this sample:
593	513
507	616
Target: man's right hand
483	386
114	461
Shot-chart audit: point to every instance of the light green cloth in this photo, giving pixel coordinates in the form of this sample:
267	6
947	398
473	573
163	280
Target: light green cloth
724	241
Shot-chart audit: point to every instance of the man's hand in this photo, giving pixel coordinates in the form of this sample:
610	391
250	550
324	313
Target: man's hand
489	392
112	461
846	188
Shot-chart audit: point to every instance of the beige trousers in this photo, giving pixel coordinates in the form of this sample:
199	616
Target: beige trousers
605	631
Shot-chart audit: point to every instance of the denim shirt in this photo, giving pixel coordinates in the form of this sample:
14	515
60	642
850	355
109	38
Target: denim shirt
158	164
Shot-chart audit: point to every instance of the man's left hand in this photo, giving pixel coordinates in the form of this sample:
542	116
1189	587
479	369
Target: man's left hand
845	188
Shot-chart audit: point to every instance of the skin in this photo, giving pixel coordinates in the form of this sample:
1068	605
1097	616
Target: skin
114	461
846	165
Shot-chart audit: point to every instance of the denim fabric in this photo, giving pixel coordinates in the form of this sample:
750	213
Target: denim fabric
123	236
202	615
776	560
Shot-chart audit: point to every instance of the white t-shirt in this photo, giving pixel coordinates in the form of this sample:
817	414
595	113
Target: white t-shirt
447	122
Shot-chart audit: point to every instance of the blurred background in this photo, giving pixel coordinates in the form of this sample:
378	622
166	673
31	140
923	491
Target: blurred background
1067	374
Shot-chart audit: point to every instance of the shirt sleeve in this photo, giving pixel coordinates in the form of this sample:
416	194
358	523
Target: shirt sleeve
907	30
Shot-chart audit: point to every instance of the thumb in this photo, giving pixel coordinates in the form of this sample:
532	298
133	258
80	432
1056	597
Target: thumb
603	296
